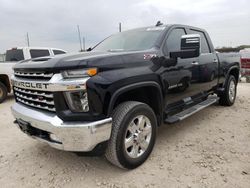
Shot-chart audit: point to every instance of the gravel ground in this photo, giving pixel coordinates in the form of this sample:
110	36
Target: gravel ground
209	149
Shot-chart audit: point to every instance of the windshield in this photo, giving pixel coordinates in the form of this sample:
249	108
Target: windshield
140	39
14	55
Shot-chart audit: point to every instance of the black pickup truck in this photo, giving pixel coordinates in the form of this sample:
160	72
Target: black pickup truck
111	99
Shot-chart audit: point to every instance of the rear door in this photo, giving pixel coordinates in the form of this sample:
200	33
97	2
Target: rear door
206	66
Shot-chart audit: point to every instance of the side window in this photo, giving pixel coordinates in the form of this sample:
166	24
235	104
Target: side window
57	52
204	44
39	53
173	42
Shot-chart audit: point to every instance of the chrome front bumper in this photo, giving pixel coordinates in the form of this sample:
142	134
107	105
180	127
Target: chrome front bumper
68	136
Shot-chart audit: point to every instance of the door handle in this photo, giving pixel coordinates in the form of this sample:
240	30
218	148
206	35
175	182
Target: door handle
195	63
215	61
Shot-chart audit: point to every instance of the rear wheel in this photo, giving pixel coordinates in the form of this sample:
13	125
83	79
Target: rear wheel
227	98
3	92
133	135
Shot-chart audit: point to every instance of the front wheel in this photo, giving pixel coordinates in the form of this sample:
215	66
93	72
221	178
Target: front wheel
133	135
227	98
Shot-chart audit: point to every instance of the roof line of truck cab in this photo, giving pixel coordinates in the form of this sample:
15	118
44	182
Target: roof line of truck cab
169	27
166	29
34	47
31	52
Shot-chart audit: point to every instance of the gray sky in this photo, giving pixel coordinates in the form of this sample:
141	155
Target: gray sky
53	23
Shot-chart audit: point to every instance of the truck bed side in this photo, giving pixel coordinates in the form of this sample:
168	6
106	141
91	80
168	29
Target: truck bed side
228	62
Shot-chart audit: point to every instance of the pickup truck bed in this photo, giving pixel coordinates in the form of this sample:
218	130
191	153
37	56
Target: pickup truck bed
227	60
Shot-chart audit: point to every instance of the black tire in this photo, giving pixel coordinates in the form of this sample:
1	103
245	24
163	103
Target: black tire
123	116
225	99
3	92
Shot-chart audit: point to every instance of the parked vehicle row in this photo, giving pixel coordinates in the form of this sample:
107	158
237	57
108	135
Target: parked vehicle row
15	55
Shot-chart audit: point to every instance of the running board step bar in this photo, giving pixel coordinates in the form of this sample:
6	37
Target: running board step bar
190	111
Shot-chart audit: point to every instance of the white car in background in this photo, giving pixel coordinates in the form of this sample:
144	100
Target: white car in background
15	55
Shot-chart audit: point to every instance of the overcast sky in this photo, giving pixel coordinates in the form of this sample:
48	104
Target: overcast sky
54	23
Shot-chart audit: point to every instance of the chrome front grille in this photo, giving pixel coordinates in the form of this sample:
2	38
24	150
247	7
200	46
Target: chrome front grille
33	75
38	99
38	92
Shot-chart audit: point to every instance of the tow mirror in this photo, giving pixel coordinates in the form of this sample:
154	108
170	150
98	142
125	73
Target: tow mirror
190	47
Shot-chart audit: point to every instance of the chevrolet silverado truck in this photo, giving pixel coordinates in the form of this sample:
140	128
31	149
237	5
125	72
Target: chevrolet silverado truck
111	99
16	54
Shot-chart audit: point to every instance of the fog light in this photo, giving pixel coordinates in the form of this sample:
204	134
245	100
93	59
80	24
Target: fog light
53	137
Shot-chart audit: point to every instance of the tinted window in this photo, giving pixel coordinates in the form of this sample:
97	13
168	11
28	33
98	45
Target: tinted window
14	55
39	53
173	42
204	44
57	52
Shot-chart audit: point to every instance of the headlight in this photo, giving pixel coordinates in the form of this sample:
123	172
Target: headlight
77	101
79	73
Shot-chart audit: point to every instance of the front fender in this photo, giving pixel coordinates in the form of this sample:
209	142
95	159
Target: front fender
130	87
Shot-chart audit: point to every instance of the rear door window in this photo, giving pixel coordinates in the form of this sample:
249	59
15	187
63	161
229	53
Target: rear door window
14	55
204	43
39	53
58	52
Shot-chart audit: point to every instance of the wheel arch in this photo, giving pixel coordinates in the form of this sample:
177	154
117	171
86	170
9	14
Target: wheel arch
147	92
235	71
5	80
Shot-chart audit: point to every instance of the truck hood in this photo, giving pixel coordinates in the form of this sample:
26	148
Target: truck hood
101	60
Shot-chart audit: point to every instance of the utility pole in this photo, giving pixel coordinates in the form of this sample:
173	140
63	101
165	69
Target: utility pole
28	39
83	43
79	35
120	27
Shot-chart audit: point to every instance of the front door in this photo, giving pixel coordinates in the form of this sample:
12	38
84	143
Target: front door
183	80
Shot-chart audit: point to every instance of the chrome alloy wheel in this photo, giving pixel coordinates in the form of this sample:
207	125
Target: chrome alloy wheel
232	91
138	136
